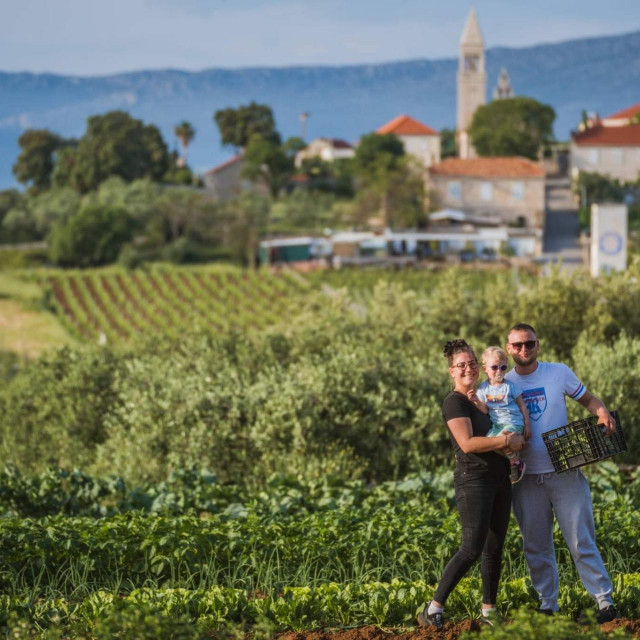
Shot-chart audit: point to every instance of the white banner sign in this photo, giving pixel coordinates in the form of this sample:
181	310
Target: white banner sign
608	238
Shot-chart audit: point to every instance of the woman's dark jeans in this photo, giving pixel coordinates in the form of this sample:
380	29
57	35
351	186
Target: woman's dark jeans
484	504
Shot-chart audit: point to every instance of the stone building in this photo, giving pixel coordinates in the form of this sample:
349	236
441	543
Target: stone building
511	188
226	181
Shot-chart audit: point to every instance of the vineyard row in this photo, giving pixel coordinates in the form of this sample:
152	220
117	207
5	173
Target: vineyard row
121	306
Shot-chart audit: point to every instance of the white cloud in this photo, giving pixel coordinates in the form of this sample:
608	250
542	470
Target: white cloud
21	120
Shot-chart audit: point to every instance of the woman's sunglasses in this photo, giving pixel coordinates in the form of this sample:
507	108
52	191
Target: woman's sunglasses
495	367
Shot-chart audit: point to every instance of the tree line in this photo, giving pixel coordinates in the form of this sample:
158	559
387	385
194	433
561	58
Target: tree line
118	193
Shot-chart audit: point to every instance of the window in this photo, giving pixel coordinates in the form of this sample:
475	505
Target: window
517	190
618	155
594	156
486	191
453	190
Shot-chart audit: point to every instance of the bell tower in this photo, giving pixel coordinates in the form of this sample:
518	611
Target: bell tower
472	81
503	89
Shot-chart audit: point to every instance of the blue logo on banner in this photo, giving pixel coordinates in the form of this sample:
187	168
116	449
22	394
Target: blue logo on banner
611	243
536	401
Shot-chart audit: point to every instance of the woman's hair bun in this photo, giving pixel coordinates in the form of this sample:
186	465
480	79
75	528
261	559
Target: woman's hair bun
453	346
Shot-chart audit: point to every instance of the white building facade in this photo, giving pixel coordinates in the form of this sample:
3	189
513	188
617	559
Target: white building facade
610	146
419	140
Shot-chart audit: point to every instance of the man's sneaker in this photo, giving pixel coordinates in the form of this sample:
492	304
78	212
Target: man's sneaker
492	619
545	612
517	470
607	614
425	619
601	616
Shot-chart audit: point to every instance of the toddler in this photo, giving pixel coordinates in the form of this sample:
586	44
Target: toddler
502	400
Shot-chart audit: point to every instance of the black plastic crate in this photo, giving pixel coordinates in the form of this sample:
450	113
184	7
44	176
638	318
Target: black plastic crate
583	442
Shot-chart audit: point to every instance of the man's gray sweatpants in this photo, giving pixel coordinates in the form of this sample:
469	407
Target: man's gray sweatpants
535	500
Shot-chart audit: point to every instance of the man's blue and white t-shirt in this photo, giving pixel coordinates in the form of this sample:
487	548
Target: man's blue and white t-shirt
544	392
501	403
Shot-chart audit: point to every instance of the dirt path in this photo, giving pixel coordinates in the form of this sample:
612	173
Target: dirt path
450	632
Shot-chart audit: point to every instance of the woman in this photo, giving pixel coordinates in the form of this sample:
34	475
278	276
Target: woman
482	488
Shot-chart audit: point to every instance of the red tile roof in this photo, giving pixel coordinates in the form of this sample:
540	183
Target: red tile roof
224	165
406	126
629	112
491	167
627	136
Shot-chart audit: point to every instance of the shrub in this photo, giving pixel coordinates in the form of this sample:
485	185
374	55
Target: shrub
91	237
607	370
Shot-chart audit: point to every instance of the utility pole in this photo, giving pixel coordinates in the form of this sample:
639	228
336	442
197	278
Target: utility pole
303	124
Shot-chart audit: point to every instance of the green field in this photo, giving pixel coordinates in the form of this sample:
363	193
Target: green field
260	452
318	553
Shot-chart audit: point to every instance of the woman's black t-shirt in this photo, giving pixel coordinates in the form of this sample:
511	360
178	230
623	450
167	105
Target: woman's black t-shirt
456	405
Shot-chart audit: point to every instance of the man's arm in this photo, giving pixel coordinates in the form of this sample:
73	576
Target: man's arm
597	408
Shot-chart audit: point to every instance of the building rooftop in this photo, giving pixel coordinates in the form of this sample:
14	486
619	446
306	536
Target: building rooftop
299	241
490	167
455	215
405	125
337	143
599	136
224	165
629	112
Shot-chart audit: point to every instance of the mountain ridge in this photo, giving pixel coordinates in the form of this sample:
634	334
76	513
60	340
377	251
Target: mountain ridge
345	101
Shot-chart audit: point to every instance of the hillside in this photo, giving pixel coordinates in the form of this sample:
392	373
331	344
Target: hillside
600	74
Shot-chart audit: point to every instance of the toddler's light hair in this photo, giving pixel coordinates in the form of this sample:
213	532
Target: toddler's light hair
498	352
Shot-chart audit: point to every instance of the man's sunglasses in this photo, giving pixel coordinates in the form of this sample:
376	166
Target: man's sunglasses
528	343
495	367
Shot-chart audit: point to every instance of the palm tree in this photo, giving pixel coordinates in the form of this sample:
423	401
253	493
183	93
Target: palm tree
185	133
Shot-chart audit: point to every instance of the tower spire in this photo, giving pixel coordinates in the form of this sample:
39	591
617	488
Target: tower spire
471	33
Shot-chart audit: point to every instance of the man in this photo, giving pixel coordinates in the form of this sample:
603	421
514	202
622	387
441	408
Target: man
542	492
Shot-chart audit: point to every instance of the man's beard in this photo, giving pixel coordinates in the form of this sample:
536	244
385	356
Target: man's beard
523	362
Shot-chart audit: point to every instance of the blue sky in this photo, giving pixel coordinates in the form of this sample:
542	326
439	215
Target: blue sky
97	37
